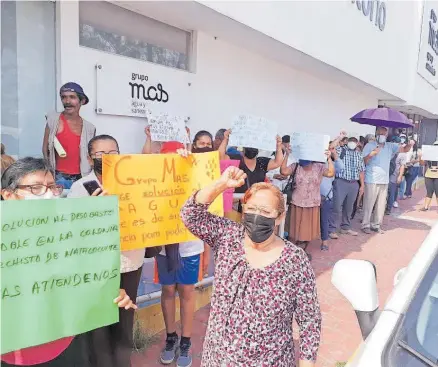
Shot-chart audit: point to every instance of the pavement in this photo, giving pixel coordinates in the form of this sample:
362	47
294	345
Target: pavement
405	230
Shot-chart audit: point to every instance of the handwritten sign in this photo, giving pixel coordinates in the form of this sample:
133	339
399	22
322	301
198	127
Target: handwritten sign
309	146
253	132
429	152
167	128
60	268
152	188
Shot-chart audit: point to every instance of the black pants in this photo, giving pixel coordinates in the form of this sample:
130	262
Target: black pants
355	205
108	346
431	187
111	346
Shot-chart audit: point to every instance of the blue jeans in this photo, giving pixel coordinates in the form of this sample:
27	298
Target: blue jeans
392	195
326	212
410	178
402	189
65	179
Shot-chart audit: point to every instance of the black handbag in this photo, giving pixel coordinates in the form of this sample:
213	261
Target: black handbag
290	186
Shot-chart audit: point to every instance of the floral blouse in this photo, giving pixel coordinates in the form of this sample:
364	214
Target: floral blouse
307	183
252	309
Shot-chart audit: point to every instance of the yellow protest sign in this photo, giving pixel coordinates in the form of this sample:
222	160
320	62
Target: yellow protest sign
152	189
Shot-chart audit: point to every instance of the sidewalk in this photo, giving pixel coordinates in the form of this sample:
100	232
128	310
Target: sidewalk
405	230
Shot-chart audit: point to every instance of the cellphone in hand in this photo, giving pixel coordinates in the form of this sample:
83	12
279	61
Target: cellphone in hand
91	186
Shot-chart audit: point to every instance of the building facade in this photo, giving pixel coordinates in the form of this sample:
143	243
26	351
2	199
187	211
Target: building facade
309	65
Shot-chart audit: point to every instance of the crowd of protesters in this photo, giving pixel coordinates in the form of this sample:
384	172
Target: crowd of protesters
262	281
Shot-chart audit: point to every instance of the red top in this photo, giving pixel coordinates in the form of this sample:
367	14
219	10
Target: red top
38	354
71	144
171	147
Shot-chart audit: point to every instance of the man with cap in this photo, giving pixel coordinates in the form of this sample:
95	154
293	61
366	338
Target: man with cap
66	137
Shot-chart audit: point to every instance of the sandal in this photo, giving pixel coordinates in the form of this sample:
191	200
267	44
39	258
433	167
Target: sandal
324	248
424	209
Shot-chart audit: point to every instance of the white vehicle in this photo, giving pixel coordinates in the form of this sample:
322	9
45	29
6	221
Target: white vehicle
405	332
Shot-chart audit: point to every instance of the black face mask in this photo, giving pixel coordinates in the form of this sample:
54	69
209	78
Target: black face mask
202	150
251	153
258	227
97	165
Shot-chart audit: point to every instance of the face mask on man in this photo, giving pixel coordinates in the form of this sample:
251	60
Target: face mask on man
352	145
258	227
47	195
251	153
97	165
381	139
403	140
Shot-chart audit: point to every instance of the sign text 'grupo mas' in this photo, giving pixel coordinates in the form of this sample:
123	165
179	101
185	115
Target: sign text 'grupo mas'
152	188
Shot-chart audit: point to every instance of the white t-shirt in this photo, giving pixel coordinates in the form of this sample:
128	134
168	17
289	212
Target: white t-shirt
187	249
129	260
280	183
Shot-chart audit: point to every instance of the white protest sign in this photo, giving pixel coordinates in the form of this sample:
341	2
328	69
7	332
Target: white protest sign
429	152
309	146
253	132
167	128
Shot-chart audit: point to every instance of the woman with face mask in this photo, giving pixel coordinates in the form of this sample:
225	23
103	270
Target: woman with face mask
202	142
254	167
33	179
306	198
413	167
261	281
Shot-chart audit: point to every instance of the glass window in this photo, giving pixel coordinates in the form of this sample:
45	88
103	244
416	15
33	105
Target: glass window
417	339
28	76
110	28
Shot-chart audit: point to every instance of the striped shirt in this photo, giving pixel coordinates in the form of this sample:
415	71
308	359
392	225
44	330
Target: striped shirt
353	164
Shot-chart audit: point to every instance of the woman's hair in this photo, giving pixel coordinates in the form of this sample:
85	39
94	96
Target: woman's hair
13	175
98	138
266	186
7	160
200	134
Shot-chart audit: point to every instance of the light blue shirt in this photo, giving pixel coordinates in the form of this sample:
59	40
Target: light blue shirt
377	168
327	182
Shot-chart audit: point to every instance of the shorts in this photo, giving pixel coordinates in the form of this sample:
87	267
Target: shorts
186	274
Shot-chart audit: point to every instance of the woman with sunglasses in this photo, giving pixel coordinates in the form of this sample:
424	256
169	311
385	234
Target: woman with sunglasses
33	179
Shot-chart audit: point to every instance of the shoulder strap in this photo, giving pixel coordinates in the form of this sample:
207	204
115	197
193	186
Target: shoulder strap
292	176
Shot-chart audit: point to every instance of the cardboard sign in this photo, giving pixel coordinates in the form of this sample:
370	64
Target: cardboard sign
60	269
152	188
429	152
167	128
228	194
309	146
253	132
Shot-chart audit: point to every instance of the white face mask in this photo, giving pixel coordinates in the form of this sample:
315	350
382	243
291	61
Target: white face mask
403	140
381	139
47	195
352	145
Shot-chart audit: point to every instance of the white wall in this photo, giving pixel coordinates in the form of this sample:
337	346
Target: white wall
337	33
229	81
28	74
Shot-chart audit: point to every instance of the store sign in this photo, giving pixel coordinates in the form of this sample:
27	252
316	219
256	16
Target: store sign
374	10
125	90
428	55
